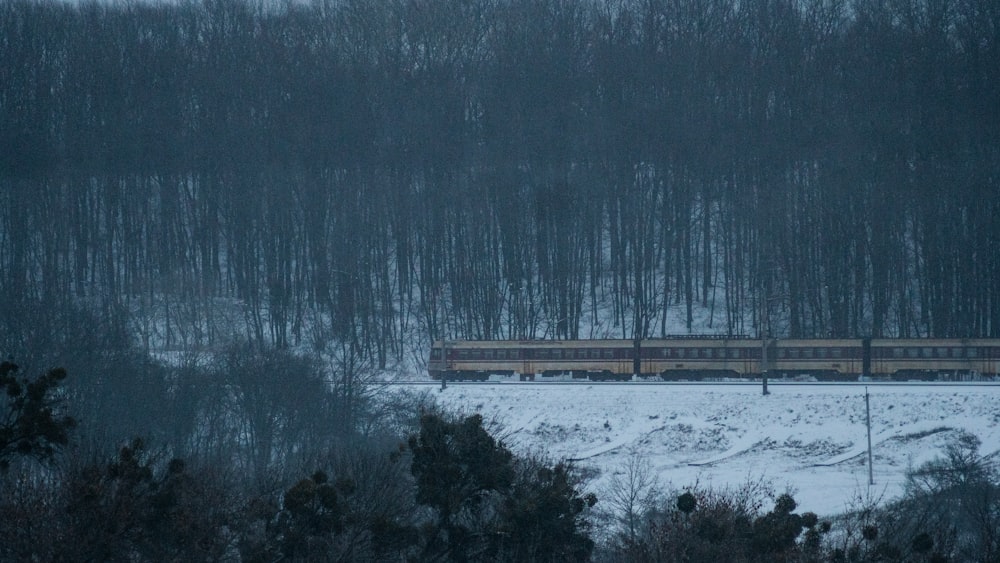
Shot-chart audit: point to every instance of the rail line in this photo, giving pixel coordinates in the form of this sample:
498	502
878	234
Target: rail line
770	383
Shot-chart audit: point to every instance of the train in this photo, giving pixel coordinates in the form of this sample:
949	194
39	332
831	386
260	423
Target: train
718	358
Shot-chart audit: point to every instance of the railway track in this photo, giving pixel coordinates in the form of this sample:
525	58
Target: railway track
770	383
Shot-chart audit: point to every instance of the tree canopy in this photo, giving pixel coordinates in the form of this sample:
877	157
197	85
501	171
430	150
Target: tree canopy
386	173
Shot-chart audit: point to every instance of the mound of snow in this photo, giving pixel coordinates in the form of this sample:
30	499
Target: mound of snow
810	439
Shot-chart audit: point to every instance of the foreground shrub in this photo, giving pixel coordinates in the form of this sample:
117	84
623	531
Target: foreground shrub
728	525
949	512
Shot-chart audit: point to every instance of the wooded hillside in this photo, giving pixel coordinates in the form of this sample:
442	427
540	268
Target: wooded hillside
384	173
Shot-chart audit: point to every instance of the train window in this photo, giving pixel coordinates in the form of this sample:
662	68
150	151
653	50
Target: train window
734	353
793	353
463	354
807	352
556	354
971	352
911	352
897	352
821	352
926	352
942	352
609	354
595	353
836	353
706	352
679	353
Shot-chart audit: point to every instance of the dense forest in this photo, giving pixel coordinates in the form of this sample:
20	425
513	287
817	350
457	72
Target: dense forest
384	173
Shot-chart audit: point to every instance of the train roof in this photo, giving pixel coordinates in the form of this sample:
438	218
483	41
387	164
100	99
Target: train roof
698	340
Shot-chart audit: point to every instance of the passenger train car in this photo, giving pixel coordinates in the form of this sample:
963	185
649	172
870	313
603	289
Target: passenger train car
718	358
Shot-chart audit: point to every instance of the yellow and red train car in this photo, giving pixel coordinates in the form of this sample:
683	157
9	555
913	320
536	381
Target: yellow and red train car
716	357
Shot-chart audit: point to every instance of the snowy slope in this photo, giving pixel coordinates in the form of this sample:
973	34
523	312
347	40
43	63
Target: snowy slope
810	439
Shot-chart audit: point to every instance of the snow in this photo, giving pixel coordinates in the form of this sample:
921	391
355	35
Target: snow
809	439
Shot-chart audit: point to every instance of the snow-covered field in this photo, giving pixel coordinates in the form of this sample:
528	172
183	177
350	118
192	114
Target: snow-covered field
807	438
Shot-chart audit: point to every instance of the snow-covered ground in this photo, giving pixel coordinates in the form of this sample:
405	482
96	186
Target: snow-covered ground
806	438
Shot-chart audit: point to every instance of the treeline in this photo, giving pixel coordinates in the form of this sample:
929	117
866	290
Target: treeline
435	488
388	172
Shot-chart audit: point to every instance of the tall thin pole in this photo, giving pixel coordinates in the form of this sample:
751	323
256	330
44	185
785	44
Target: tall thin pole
763	364
868	423
764	322
444	360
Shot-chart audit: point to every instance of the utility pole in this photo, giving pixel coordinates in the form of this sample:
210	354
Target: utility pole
763	364
763	339
636	360
868	423
444	360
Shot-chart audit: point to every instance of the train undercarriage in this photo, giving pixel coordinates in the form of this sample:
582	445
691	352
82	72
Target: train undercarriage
683	376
